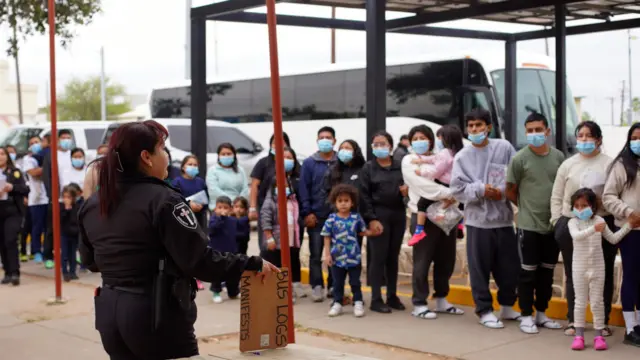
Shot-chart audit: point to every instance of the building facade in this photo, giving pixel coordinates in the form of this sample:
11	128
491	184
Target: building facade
9	114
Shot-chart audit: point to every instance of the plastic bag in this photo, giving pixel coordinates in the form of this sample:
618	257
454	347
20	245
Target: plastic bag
444	218
199	198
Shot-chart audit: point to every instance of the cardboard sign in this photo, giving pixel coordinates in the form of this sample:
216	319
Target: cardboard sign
264	311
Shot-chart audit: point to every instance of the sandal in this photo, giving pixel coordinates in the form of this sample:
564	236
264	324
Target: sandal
529	328
427	315
570	330
451	310
492	324
606	332
550	324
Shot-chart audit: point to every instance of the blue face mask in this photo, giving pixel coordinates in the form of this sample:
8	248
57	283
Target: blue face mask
226	160
345	156
586	147
13	156
478	138
77	163
420	146
192	171
635	147
272	151
439	144
288	165
381	153
66	144
537	139
584	214
325	145
288	192
36	148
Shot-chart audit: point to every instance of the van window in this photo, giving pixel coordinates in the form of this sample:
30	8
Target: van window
19	138
180	138
94	138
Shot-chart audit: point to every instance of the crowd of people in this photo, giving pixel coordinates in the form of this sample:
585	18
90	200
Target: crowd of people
583	208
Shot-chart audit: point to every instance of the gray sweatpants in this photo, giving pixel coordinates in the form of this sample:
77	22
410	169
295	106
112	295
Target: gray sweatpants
493	252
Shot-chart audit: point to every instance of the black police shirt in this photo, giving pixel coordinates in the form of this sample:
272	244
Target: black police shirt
152	220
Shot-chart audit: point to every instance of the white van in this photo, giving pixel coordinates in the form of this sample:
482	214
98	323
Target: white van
86	135
179	142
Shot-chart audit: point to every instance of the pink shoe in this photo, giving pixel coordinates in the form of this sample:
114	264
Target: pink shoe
578	343
599	343
200	286
417	237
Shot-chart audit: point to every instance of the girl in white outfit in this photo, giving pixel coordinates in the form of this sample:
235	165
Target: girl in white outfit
587	231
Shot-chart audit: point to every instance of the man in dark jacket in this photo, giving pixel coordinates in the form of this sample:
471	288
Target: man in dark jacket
402	149
314	207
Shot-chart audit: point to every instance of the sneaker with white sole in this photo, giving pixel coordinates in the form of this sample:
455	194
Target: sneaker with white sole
217	299
336	310
317	294
298	290
358	309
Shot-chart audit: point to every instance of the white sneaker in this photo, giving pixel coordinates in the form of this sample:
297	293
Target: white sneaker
507	313
358	309
317	295
217	299
490	320
336	309
298	290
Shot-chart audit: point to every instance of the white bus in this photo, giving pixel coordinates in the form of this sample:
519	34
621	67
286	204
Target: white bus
434	90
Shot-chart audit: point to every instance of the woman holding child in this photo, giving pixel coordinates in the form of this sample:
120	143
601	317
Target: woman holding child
437	247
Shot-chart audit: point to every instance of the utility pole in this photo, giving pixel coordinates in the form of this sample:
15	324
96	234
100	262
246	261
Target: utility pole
103	88
612	99
546	44
333	37
630	83
187	43
622	104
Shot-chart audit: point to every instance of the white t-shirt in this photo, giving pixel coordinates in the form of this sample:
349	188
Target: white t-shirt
64	165
37	193
73	175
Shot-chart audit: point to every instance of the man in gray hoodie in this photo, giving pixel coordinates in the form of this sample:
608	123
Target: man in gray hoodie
478	180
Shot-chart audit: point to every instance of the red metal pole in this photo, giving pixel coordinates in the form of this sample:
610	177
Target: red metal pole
279	143
55	182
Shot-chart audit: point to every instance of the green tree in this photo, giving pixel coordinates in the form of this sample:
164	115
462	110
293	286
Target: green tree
587	117
28	17
81	100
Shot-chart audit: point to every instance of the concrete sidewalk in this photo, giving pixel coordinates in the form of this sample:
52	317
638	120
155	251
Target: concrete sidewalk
449	335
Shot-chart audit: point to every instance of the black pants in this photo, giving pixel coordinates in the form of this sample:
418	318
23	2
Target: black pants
275	257
124	321
438	248
340	277
243	244
492	252
385	250
10	224
232	283
539	256
565	243
47	247
25	231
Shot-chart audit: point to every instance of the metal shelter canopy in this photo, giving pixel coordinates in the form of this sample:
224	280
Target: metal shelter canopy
551	13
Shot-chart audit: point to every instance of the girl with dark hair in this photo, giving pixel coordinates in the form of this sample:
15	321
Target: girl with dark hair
586	169
587	231
139	233
261	175
226	178
13	190
172	171
189	183
76	173
436	167
622	198
440	249
383	190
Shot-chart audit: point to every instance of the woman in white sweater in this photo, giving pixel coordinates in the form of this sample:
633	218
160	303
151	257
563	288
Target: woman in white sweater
622	199
587	169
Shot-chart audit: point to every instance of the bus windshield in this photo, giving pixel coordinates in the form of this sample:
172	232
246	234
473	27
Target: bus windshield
536	91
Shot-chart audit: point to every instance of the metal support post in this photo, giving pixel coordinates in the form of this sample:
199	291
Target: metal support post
561	79
510	115
199	91
376	69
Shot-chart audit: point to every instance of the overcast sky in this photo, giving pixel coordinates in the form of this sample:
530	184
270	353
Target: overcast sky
144	45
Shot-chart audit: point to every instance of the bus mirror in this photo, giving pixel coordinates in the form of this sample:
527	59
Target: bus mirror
257	148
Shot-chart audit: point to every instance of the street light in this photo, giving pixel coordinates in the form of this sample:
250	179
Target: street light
630	38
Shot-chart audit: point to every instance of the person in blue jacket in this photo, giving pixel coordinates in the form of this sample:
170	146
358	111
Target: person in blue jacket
223	230
314	206
189	183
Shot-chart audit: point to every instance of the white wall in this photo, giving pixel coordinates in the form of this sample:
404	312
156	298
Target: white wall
9	99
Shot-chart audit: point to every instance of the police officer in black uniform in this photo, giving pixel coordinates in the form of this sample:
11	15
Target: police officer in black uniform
141	235
12	193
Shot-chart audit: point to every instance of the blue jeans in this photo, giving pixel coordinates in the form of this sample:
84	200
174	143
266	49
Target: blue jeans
339	278
38	226
316	245
69	251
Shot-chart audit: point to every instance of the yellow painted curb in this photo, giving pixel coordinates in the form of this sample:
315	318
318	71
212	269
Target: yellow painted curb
461	295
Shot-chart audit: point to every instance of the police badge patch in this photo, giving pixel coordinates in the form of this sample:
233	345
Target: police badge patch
182	212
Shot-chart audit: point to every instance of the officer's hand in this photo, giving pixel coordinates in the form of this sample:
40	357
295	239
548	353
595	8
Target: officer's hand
267	269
